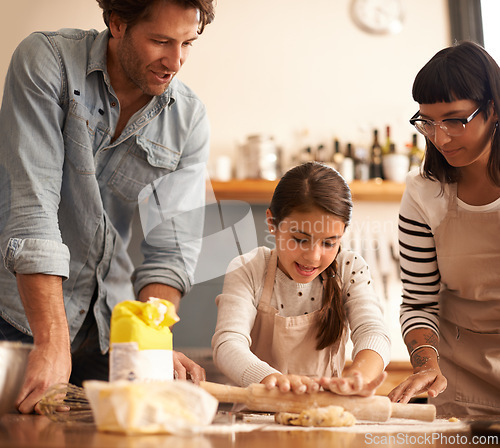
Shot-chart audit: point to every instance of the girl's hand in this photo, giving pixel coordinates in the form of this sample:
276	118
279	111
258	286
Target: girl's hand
430	380
352	384
295	383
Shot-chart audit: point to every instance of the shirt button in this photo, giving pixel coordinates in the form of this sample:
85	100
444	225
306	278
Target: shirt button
113	104
82	311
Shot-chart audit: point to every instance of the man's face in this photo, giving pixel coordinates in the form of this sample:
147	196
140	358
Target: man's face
152	52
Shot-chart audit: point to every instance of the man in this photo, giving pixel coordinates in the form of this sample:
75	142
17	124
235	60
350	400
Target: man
88	121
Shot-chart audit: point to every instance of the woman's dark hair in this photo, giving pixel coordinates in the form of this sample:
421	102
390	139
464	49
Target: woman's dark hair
304	187
462	72
133	11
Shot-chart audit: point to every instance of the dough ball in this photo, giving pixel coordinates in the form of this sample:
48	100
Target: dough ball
327	416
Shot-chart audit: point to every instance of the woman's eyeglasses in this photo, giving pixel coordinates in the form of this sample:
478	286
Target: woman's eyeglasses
453	127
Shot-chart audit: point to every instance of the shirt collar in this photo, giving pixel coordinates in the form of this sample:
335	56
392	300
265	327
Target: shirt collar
98	62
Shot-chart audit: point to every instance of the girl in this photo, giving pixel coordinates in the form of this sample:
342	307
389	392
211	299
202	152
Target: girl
449	236
283	314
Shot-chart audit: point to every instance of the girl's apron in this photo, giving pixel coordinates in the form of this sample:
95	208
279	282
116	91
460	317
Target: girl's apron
289	343
468	254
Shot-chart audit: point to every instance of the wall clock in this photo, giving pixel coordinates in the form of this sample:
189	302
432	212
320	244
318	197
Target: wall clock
378	16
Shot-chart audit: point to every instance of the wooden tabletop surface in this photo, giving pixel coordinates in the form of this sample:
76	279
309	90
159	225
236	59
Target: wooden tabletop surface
33	431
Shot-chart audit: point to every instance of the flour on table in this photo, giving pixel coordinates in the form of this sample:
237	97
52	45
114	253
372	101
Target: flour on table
266	422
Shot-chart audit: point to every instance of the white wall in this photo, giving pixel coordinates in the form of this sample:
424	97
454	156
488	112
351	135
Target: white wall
281	66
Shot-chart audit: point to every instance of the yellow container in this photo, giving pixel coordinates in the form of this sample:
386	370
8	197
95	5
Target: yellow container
141	341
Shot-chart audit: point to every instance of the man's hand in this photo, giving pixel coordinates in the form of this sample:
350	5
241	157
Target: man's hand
47	365
49	362
160	291
185	368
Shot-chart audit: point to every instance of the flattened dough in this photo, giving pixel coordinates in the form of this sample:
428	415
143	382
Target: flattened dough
326	416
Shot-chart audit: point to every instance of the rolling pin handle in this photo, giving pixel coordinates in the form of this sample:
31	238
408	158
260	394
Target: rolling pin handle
424	412
224	393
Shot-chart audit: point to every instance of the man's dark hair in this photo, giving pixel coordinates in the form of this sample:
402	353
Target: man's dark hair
133	11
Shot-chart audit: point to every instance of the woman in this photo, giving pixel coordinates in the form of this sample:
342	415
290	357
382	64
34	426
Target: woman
450	237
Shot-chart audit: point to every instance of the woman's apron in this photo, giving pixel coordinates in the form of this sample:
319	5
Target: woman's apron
468	254
289	343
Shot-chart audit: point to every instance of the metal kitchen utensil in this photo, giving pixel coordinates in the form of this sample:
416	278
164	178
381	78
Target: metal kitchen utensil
13	362
66	403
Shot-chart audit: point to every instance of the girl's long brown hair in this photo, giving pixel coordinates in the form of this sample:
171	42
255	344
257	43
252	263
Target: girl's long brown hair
314	185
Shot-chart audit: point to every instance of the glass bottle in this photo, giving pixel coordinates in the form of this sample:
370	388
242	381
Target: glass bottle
416	154
337	157
376	158
346	168
361	163
388	142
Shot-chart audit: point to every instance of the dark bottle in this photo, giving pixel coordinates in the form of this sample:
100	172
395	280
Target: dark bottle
376	158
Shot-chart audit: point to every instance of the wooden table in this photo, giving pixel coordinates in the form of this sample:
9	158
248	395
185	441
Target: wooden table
32	431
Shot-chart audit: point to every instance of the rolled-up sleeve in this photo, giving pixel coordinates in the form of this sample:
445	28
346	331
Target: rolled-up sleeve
30	256
31	160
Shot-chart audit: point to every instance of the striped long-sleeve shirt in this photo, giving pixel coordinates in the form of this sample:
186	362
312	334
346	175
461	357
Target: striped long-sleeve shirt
423	207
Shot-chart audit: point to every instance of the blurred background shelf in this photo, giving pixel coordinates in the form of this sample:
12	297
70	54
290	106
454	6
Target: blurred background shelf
258	191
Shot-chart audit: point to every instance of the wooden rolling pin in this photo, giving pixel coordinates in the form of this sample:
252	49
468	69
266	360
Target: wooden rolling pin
375	408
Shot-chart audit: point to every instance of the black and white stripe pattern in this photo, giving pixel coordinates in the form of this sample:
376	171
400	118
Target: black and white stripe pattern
419	274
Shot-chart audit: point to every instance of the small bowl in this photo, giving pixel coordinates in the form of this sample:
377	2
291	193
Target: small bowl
13	362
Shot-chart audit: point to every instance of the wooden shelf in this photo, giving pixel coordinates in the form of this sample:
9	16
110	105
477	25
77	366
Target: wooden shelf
257	191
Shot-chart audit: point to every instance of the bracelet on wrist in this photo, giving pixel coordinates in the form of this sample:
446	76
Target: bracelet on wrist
424	346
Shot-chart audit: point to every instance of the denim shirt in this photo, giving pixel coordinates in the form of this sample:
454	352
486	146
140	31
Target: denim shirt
68	193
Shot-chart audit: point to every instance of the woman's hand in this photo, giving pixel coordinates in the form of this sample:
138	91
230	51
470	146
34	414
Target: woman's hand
429	380
352	384
295	383
422	345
